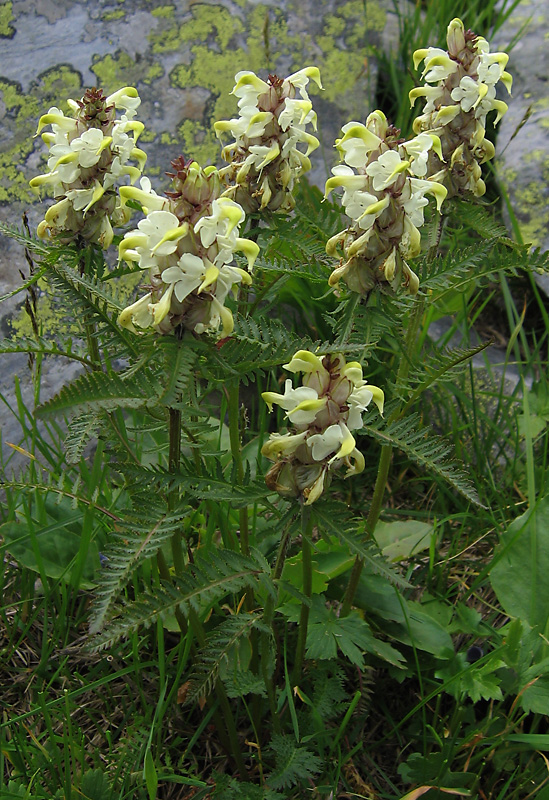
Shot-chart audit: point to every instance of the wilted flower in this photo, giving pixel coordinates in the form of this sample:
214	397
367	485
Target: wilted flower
88	157
384	195
323	411
187	242
265	161
465	81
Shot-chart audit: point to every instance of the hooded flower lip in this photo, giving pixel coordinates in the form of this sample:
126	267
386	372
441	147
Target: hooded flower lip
384	195
386	169
463	94
187	242
322	411
88	157
265	159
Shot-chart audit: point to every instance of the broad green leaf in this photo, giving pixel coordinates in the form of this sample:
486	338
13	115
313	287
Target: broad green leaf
535	697
330	560
405	621
54	548
520	567
400	540
476	681
352	635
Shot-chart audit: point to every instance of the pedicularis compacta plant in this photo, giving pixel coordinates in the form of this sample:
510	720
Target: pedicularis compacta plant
230	504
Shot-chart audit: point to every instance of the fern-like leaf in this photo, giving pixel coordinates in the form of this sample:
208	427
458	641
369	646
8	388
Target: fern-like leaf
82	428
94	299
222	643
478	217
211	484
205	582
254	347
99	390
428	450
39	345
179	360
296	245
293	763
455	270
21	236
440	366
137	538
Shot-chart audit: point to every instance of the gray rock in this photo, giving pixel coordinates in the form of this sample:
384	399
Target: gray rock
523	137
182	58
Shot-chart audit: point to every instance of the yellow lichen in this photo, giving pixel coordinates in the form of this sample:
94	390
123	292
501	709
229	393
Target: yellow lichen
6	16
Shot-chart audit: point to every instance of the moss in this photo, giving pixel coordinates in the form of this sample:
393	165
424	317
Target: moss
154	72
60	82
166	39
509	176
533	155
341	69
371	15
207	22
6	16
531	208
52	312
181	76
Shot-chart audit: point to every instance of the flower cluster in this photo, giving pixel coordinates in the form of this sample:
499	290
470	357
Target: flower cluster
265	161
323	412
88	155
460	91
386	182
186	243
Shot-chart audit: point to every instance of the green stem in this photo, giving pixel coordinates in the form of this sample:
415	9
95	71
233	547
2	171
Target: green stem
93	346
234	436
164	572
174	458
306	555
268	616
347	323
224	722
386	454
89	326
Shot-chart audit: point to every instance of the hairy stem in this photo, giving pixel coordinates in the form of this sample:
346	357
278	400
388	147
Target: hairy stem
232	394
174	458
268	616
386	454
306	555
